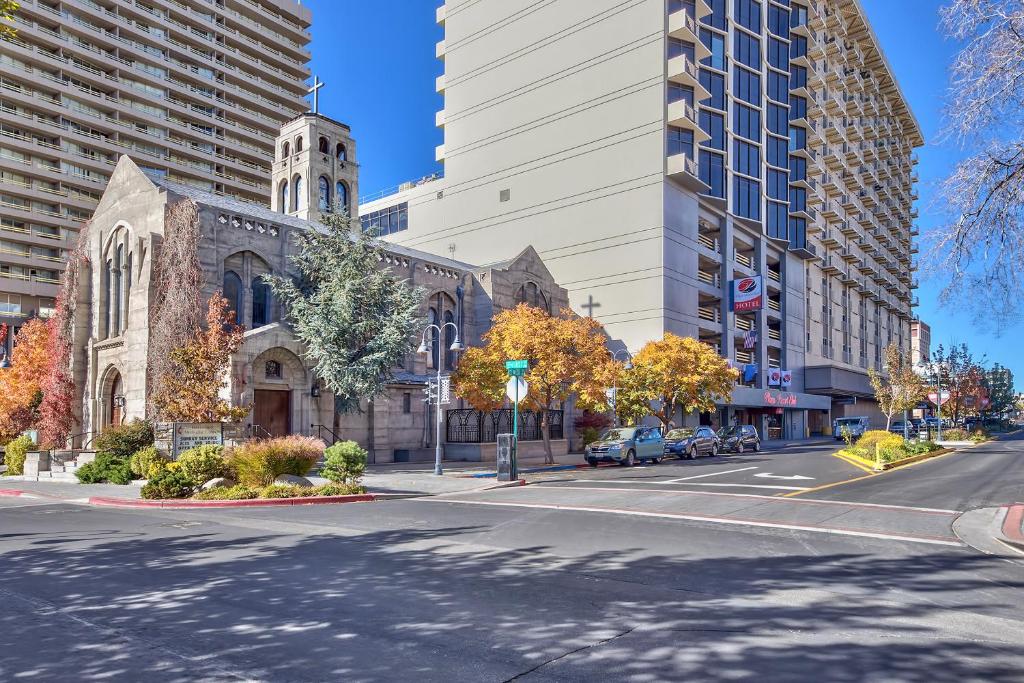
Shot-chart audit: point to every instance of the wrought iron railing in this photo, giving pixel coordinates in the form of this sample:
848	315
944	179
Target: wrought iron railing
324	433
473	426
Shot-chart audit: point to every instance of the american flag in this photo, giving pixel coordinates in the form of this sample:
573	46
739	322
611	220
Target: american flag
749	339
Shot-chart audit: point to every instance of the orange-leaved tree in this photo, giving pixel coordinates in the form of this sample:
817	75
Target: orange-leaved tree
567	357
191	392
676	372
20	384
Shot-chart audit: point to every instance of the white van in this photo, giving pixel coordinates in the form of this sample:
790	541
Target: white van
856	426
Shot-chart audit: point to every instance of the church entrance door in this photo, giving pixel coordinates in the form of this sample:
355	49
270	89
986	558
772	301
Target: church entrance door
272	411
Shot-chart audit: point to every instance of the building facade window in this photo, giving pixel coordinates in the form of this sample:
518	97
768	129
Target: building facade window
747	50
282	197
747	86
747	122
297	190
260	303
341	152
386	221
680	141
324	194
324	145
233	293
716	44
747	198
714	125
341	196
712	173
747	14
746	158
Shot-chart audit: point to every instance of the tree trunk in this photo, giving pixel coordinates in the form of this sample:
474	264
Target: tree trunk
545	432
888	421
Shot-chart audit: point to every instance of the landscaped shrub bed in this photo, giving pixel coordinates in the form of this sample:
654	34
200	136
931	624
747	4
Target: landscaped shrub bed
15	453
240	492
890	447
957	434
259	463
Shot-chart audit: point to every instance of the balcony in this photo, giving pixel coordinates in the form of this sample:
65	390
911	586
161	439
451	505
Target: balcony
831	264
831	210
681	70
441	15
806	251
830	239
710	314
683	170
713	280
684	27
682	115
439	50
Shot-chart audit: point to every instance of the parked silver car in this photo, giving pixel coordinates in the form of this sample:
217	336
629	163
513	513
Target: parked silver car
687	442
626	446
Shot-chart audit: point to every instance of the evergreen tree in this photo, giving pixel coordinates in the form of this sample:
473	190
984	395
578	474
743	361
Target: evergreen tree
354	317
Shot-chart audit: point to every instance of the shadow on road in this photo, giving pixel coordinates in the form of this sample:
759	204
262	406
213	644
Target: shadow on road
215	602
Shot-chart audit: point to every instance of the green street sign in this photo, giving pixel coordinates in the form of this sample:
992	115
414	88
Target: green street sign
517	368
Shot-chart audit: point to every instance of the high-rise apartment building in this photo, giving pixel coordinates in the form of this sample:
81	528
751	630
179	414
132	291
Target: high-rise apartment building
667	156
920	342
194	89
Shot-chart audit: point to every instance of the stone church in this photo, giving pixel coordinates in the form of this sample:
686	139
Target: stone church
315	171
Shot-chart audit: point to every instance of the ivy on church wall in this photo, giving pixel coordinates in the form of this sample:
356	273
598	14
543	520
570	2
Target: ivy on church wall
56	410
175	314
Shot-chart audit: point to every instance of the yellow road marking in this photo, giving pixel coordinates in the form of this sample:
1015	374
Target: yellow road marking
866	476
853	462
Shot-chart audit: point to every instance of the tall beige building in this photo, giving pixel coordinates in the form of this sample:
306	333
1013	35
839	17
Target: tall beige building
193	89
660	154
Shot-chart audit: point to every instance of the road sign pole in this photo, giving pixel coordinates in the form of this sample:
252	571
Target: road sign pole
515	437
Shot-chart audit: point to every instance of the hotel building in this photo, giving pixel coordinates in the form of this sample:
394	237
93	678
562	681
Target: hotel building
195	90
655	152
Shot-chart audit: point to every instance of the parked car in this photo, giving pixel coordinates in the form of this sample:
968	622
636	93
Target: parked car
687	442
627	446
896	427
855	426
739	439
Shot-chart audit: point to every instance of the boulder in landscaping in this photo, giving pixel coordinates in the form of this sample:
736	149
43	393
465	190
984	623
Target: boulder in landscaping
217	483
292	480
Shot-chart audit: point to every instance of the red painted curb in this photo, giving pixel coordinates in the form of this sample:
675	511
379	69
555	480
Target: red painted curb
13	492
253	502
1012	524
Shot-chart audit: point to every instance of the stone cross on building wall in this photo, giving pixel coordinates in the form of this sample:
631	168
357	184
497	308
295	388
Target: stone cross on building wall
315	92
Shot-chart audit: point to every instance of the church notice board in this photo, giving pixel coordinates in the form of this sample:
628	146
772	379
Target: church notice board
177	437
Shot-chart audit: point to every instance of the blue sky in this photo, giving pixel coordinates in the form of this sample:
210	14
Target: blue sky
378	61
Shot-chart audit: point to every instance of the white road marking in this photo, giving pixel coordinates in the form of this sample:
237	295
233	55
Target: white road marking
705	518
804	501
768	475
709	474
746	486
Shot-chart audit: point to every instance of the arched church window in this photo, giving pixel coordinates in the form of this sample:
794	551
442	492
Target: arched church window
297	193
282	197
532	295
107	287
127	289
449	339
117	288
260	303
272	370
341	196
342	152
286	150
298	144
435	340
233	293
324	145
325	194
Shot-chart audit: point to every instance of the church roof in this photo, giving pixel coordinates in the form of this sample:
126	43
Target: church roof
262	213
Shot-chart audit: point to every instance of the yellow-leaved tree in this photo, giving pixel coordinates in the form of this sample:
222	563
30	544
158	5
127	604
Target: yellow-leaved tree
901	390
676	372
21	384
567	357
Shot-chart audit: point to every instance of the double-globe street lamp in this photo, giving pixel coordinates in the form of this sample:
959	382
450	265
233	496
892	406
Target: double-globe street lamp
929	370
615	395
424	350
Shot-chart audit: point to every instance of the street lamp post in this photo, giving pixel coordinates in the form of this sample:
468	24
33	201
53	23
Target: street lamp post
423	350
615	395
929	370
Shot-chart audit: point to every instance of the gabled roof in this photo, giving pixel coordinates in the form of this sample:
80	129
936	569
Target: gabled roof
262	213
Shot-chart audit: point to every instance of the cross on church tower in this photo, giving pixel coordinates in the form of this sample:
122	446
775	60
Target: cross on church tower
315	92
590	306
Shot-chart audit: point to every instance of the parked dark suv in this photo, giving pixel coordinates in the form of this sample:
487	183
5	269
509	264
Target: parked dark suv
691	442
739	439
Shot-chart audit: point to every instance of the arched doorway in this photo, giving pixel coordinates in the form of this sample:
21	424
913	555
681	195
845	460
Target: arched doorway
281	395
115	399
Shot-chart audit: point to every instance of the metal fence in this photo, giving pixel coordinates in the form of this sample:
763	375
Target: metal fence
473	426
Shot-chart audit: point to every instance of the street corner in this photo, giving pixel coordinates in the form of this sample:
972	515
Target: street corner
997	530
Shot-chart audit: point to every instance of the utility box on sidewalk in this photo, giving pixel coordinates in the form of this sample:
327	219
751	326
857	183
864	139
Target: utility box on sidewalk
507	470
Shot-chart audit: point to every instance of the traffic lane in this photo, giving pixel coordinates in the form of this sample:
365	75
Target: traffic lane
767	471
490	595
928	526
987	475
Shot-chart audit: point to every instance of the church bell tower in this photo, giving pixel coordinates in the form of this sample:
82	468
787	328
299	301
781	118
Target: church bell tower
315	170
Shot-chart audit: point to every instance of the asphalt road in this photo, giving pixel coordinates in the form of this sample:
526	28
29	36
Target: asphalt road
986	475
431	590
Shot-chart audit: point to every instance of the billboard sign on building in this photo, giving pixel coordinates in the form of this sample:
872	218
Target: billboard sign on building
747	294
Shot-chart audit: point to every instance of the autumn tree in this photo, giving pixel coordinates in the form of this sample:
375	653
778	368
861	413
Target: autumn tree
567	357
674	373
7	9
980	245
20	384
961	375
901	389
999	383
191	392
354	317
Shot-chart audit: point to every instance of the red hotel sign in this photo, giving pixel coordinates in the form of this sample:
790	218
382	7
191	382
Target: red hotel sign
779	398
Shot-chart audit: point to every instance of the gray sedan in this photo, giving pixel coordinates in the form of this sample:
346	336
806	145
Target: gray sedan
691	442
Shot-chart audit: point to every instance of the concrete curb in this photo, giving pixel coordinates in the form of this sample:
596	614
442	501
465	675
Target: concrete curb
253	502
1012	534
856	459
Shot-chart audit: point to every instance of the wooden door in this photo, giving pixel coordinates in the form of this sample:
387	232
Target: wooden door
115	402
273	411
